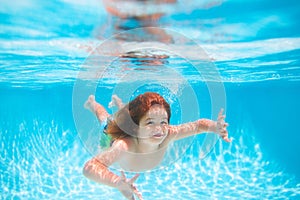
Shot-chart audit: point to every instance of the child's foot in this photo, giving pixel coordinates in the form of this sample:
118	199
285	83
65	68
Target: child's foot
90	103
115	101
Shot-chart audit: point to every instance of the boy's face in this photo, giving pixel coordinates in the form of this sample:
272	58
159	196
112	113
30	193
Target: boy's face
153	125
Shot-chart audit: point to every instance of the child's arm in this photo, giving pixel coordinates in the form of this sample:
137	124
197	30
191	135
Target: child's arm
97	170
201	126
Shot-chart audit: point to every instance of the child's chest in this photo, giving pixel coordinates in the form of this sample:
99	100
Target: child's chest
138	162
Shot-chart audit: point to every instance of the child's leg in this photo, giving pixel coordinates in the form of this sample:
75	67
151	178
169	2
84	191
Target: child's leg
96	108
116	101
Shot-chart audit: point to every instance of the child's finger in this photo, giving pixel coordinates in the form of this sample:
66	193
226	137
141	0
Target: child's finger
226	139
134	178
138	194
221	117
221	112
123	177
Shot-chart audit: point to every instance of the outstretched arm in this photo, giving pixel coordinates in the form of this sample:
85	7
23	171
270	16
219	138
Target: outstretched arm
97	170
201	126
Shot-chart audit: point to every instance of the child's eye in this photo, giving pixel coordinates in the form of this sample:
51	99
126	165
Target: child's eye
149	123
163	122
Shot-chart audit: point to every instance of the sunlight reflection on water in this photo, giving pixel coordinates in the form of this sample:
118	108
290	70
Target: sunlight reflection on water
48	164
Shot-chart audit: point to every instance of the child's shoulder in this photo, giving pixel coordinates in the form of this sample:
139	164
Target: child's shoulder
123	143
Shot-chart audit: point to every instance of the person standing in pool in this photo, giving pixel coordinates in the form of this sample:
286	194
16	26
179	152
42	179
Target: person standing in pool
140	132
132	14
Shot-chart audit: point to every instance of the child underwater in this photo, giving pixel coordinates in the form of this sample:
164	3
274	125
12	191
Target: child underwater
140	134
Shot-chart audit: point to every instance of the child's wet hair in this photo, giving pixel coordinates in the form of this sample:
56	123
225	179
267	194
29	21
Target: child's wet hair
126	120
142	103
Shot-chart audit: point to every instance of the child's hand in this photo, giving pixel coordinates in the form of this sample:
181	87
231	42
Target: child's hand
221	127
126	187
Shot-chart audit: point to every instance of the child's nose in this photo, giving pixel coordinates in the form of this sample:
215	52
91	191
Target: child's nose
159	128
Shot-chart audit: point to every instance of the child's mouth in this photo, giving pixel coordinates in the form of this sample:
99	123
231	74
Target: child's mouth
158	135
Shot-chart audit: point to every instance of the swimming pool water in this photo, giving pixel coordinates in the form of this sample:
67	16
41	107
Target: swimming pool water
256	53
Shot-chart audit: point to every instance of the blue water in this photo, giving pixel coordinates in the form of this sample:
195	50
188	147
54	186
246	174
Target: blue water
253	49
